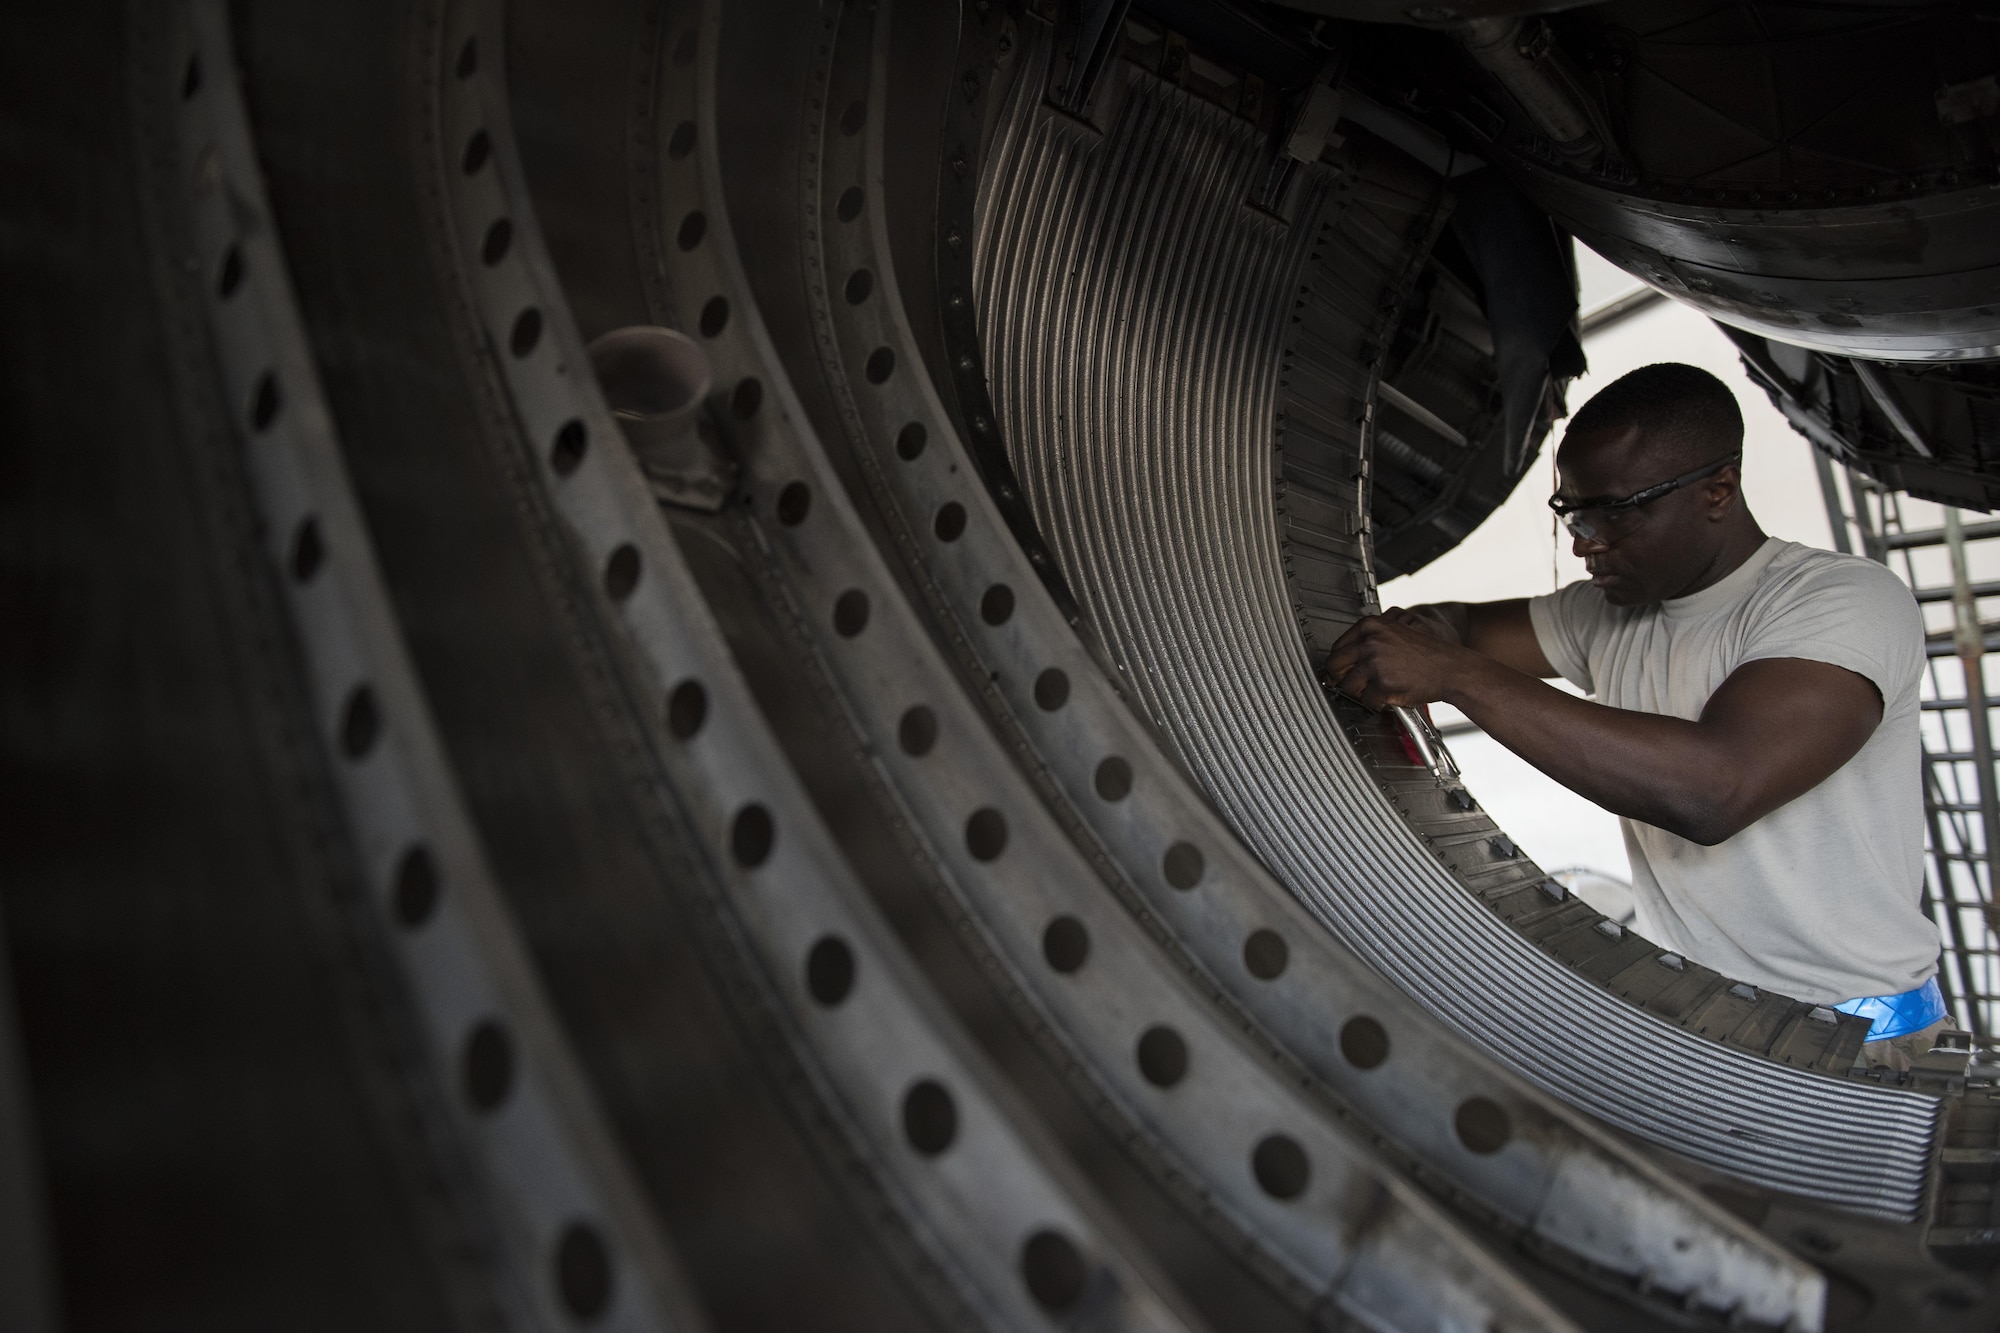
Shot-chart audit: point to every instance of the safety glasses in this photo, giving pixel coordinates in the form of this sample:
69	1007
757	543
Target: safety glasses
1595	519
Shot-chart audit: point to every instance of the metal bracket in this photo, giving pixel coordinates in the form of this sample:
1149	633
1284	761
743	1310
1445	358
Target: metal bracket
655	380
1094	39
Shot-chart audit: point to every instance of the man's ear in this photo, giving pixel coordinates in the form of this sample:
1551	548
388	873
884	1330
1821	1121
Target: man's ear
1721	491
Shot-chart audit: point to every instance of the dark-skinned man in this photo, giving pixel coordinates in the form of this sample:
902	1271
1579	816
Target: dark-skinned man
1756	713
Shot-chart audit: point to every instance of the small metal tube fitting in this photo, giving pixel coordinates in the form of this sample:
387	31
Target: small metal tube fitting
1496	43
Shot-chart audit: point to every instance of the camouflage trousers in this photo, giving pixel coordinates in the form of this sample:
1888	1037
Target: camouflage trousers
1898	1052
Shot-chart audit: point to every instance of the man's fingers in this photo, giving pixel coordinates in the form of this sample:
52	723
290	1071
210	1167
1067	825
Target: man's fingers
1426	623
1353	634
1346	651
1357	682
1361	642
1396	658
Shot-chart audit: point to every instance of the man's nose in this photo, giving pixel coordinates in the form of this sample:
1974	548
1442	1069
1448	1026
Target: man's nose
1581	546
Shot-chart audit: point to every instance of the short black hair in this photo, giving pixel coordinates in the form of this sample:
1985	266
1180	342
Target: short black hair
1684	411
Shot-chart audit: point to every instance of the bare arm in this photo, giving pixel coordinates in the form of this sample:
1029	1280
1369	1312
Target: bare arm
1500	630
1772	732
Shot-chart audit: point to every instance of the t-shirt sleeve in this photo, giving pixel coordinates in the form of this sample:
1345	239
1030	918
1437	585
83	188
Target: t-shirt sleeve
1851	613
1565	621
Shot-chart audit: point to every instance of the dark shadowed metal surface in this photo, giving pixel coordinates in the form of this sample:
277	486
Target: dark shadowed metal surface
666	656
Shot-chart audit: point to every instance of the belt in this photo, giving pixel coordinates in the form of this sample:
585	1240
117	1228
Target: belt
1898	1015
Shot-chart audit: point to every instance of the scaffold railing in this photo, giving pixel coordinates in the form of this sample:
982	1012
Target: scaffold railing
1961	805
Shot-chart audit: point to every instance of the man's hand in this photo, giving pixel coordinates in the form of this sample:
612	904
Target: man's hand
1398	658
1436	621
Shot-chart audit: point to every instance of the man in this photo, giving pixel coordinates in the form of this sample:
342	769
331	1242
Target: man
1755	723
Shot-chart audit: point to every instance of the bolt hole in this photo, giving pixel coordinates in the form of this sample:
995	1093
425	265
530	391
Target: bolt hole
191	78
1265	955
852	119
1482	1125
477	150
527	332
850	613
748	397
416	892
881	365
583	1272
751	835
930	1118
1051	690
1066	944
682	142
714	316
1364	1042
1163	1057
917	732
1113	779
693	227
986	834
231	276
487	1066
686	46
830	970
910	441
859	284
1183	865
1280	1165
264	402
499	240
949	525
849	207
468	58
621	572
566	454
794	502
1053	1270
687	709
997	606
360	723
308	551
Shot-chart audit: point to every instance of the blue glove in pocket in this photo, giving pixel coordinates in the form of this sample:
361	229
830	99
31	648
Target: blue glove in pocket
1898	1015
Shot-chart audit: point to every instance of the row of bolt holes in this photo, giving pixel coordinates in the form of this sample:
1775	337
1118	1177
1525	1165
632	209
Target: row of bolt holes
1054	1270
1052	1267
582	1261
930	1118
1280	1164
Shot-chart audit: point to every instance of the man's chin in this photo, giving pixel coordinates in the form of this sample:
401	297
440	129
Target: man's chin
1617	591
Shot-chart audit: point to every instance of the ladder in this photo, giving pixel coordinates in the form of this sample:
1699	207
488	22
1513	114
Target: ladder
1961	805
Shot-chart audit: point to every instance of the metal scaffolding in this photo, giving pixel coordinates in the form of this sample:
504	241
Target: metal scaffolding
1961	805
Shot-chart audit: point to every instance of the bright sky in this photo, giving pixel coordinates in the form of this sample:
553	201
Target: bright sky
1515	554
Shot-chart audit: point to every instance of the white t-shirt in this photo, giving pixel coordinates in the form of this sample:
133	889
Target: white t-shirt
1820	899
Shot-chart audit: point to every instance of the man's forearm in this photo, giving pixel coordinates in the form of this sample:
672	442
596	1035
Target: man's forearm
1456	615
1500	630
1772	731
1663	771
